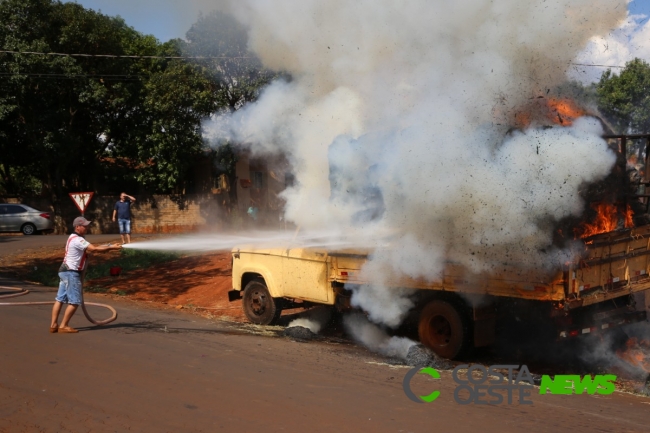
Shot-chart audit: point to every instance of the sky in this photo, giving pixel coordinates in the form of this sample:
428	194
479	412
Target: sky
168	19
630	40
640	7
165	19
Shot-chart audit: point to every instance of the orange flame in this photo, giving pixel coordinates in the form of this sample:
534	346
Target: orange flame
563	111
636	353
548	111
607	219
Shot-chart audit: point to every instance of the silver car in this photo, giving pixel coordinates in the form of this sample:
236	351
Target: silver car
22	218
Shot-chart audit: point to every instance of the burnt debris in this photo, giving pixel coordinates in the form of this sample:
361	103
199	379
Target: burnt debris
299	333
420	356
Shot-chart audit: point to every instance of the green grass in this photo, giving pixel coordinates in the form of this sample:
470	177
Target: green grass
129	260
48	275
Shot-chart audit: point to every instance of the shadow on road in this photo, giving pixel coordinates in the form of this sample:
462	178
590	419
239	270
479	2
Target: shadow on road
150	326
7	239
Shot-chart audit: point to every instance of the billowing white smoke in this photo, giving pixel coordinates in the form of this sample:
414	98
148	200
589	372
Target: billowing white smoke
387	305
374	338
314	319
397	117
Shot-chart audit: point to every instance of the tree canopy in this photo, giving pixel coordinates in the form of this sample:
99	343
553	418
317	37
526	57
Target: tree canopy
625	98
237	72
70	122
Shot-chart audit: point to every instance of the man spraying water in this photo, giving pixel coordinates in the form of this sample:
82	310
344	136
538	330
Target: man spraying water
71	274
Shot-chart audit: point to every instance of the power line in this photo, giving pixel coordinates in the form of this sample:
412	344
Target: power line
120	56
102	77
600	66
62	74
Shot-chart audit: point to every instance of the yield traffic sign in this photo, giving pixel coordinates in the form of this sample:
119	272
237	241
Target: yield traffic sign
81	200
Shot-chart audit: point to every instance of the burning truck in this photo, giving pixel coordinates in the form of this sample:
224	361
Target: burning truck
593	292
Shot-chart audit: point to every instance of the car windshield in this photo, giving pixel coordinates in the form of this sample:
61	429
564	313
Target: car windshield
29	209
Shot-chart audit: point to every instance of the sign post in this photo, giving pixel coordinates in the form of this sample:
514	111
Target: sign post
81	200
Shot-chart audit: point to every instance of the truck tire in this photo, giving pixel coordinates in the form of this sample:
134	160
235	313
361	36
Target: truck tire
258	304
444	329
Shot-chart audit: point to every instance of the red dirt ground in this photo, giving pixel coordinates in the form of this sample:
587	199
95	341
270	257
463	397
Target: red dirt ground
196	282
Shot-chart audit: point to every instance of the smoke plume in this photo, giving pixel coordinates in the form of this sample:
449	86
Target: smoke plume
374	338
314	319
398	117
626	352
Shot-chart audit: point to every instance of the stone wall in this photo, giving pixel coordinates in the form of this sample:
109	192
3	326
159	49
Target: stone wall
150	214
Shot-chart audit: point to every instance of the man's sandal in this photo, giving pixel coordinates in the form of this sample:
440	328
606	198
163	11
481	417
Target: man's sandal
68	330
54	329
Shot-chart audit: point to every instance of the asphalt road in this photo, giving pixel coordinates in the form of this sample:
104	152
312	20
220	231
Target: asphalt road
169	371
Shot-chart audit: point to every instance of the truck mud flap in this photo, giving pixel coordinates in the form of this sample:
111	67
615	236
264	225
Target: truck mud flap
233	295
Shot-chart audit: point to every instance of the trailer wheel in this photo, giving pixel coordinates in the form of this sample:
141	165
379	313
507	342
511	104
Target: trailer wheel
444	329
258	304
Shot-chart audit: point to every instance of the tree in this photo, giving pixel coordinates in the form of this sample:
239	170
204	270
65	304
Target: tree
178	99
72	122
625	98
52	105
237	72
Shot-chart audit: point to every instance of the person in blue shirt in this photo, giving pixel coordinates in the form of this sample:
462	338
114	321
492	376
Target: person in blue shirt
122	211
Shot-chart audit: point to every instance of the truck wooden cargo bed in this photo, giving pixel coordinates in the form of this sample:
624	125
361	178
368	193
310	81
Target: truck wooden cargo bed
613	264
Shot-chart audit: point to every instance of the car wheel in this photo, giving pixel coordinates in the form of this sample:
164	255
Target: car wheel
258	304
444	329
28	229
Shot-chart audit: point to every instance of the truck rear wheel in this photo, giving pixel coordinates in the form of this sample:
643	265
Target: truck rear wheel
444	329
258	304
